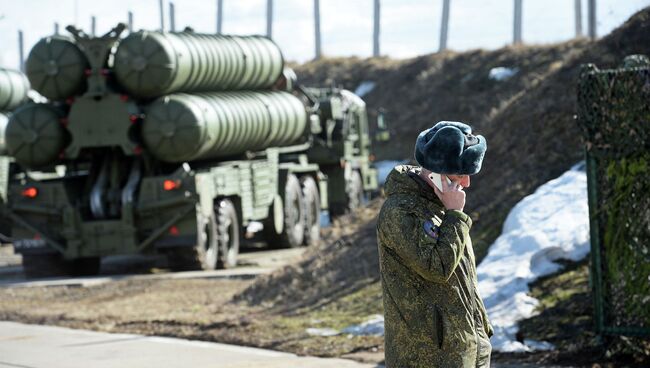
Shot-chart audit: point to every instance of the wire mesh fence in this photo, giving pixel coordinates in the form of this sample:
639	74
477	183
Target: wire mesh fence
614	115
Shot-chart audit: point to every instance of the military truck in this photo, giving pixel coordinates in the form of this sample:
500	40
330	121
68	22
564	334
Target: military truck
182	144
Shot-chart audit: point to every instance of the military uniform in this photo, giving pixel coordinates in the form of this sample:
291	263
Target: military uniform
434	315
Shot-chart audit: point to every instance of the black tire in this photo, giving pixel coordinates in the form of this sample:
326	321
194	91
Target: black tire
228	234
203	255
54	265
312	211
354	188
45	265
87	266
293	233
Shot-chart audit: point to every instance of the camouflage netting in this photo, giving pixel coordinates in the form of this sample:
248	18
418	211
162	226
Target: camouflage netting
614	116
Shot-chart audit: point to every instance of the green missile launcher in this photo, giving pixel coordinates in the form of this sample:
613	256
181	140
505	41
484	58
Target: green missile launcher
180	144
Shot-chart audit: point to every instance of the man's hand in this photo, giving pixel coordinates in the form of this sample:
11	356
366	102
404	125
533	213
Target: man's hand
452	195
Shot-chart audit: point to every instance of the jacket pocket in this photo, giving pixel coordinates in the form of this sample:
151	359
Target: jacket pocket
438	331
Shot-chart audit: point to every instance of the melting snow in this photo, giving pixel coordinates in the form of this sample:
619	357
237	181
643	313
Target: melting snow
384	168
550	224
501	73
364	88
374	325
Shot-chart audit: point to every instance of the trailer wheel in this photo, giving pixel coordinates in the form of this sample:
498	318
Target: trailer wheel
293	233
44	265
312	211
228	232
203	255
54	265
86	266
354	188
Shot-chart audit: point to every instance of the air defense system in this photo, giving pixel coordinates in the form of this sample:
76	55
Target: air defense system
183	144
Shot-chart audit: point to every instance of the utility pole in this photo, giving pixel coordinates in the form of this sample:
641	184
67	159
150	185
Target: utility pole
578	15
162	15
517	23
130	21
21	51
592	19
269	18
219	15
376	29
93	26
172	17
444	26
56	28
317	28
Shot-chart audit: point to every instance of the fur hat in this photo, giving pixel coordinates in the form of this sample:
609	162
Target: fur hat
450	148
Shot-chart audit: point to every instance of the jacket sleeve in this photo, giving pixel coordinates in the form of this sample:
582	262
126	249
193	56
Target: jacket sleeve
435	259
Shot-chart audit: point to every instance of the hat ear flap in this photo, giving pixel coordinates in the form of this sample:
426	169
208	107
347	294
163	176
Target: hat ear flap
444	149
472	157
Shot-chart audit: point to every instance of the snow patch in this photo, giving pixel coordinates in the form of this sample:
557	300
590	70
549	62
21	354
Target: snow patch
374	325
384	168
548	225
322	332
364	88
501	73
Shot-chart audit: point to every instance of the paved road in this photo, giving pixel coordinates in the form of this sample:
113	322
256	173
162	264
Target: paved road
30	346
250	264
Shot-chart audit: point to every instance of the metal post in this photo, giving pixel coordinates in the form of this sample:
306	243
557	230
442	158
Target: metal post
444	26
376	29
269	18
219	15
21	51
516	39
172	17
56	28
162	15
93	26
317	28
592	19
130	21
578	15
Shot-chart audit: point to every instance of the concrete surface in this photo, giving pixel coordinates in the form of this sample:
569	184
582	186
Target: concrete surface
241	273
31	346
250	264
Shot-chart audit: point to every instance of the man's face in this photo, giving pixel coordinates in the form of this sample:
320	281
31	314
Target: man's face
462	180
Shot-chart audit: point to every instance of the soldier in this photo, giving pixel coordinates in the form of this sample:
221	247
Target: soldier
434	315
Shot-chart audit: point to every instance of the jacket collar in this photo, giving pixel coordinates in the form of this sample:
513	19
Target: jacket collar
405	179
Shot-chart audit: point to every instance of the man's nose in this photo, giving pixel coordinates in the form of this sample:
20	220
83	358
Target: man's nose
465	182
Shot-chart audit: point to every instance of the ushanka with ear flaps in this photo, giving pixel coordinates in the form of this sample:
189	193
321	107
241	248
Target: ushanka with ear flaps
449	147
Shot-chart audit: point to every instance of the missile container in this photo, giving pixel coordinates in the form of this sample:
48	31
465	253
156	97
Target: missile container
13	89
56	68
152	64
184	127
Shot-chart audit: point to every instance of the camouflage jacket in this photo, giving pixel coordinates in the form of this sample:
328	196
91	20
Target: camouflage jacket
434	315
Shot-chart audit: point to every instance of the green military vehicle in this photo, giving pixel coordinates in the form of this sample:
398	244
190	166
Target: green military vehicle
183	144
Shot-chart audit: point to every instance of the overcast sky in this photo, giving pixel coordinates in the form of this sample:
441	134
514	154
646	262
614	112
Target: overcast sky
409	27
